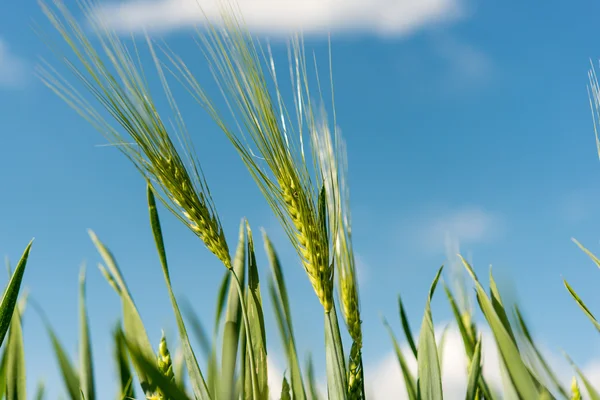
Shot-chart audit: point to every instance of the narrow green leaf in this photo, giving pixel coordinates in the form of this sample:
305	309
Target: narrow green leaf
582	305
85	346
197	328
430	377
222	298
248	338
519	374
179	367
213	366
207	346
589	253
442	346
3	367
16	382
41	388
279	299
538	354
232	322
67	370
465	331
474	372
196	377
499	307
592	392
126	389
312	383
406	327
11	293
285	390
334	357
132	322
256	320
409	381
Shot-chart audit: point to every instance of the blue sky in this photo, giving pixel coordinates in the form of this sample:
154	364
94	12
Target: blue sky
468	128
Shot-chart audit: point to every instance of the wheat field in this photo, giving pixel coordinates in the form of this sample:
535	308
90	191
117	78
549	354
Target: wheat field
294	152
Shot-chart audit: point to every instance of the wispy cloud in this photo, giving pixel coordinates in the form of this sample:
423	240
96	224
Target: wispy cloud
464	226
11	67
466	65
381	17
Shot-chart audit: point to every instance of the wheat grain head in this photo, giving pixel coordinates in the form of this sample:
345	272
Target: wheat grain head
115	78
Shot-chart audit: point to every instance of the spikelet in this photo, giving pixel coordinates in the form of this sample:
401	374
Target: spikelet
191	204
355	374
165	366
134	125
312	243
575	392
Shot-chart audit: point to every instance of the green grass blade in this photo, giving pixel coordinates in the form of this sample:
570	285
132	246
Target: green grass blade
11	293
197	328
406	327
313	392
499	307
208	348
3	367
334	356
589	253
213	365
592	392
474	372
519	374
442	345
256	320
248	338
279	299
196	377
465	331
67	370
409	381
15	374
41	389
582	305
121	356
85	347
285	390
222	299
179	367
233	317
546	367
430	377
132	322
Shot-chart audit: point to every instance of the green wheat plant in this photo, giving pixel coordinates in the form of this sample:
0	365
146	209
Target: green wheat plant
298	160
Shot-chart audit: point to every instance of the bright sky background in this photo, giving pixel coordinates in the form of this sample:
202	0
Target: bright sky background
468	129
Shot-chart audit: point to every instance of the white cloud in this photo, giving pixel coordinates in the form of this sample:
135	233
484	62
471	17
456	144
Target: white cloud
384	378
11	67
274	377
465	226
466	64
382	17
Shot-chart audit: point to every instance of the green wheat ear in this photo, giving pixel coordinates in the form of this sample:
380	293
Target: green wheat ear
294	186
575	393
119	85
165	367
